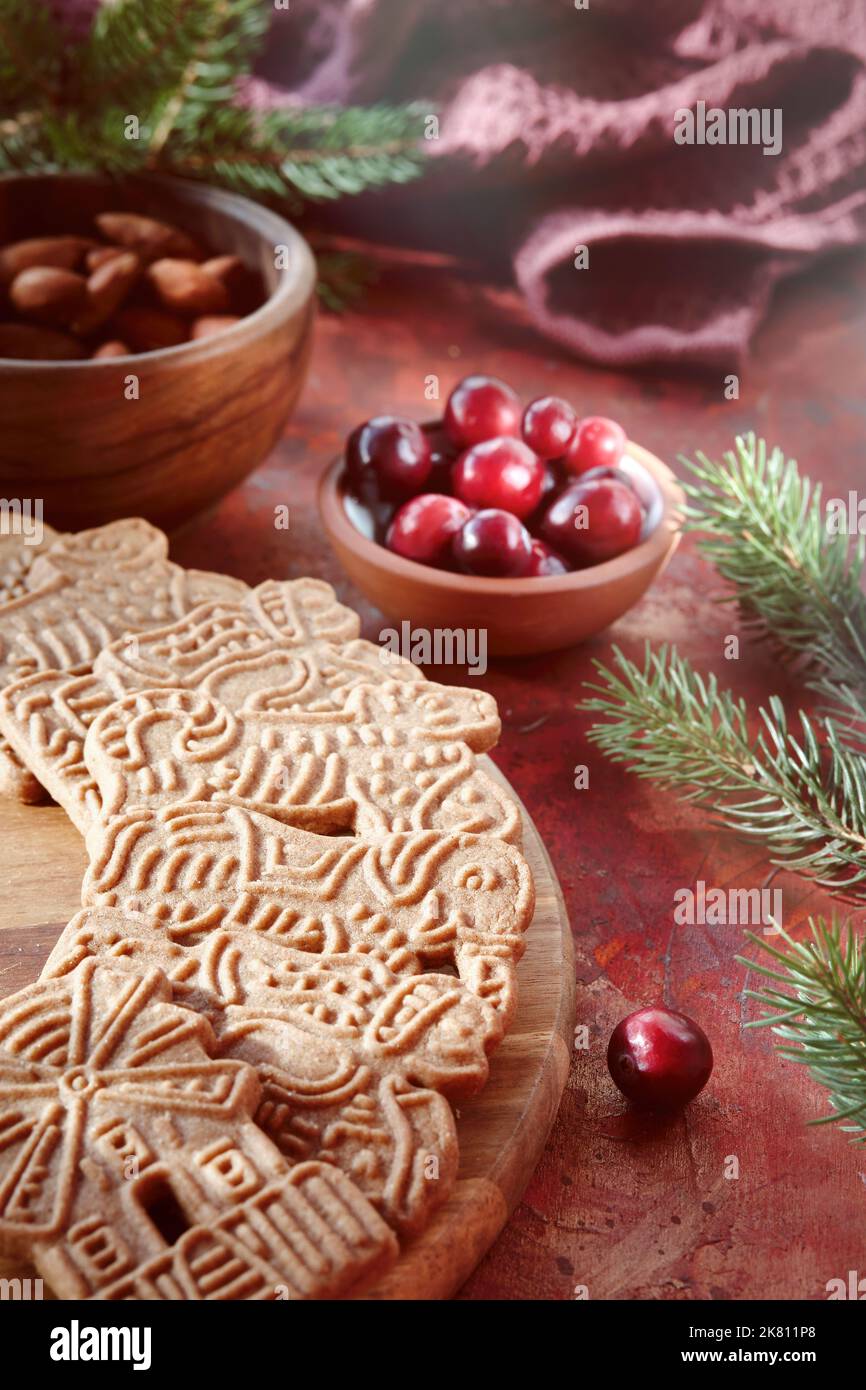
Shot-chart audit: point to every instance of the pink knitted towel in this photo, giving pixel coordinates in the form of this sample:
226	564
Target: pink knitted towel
558	131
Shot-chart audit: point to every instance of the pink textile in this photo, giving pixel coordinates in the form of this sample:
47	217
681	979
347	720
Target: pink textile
557	131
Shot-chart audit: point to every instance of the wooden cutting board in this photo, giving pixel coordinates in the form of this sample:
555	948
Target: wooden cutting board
502	1131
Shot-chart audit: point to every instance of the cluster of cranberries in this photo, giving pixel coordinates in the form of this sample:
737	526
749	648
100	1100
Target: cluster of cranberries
493	489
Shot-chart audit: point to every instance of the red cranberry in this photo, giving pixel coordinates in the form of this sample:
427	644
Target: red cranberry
593	521
424	527
545	562
659	1058
549	424
493	543
598	443
481	407
394	451
502	473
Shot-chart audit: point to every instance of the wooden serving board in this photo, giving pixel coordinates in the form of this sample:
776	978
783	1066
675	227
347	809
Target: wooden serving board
502	1131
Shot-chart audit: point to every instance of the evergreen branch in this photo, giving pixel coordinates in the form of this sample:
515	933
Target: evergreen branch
157	59
320	154
803	796
31	57
816	1003
797	583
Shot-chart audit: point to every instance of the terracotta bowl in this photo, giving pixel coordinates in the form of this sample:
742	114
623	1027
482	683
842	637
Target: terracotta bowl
207	412
521	616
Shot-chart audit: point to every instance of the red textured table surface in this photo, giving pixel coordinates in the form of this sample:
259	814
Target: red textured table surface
627	1208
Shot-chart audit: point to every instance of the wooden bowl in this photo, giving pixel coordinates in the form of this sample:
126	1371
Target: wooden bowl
521	616
207	412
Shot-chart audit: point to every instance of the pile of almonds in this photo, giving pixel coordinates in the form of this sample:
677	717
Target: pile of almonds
143	285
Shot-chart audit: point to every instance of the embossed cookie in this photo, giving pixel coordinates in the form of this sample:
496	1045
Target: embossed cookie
130	1166
17	554
354	1059
90	588
78	593
458	901
397	757
285	646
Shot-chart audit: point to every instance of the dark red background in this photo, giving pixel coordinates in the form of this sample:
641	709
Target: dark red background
627	1208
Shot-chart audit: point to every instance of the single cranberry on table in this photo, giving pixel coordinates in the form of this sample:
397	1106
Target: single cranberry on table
481	407
593	521
493	543
597	443
548	426
392	451
545	562
502	473
659	1059
425	526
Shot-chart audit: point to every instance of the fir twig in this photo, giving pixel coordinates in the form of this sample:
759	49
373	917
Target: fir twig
798	584
174	65
816	1003
803	795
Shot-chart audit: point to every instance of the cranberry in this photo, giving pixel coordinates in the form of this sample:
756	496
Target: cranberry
493	543
424	527
598	443
394	451
549	424
502	473
545	562
593	521
481	407
442	455
659	1058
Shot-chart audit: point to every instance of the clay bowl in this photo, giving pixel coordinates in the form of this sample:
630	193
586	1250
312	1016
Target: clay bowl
207	412
521	616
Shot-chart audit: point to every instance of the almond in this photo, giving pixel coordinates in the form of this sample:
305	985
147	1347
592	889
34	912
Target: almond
100	255
65	252
146	330
210	324
113	348
48	295
186	288
106	289
146	236
25	340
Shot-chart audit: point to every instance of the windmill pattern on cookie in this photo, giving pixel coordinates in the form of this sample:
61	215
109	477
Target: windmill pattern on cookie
130	1165
354	1059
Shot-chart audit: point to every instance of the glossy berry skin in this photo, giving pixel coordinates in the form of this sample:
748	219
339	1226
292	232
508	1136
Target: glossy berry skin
544	562
481	407
425	526
597	443
610	524
501	473
493	543
393	452
659	1059
549	424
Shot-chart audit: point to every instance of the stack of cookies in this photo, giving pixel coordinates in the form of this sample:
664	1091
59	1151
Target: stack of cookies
303	911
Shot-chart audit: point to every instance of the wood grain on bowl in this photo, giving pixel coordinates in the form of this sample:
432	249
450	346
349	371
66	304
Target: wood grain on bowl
520	616
165	432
